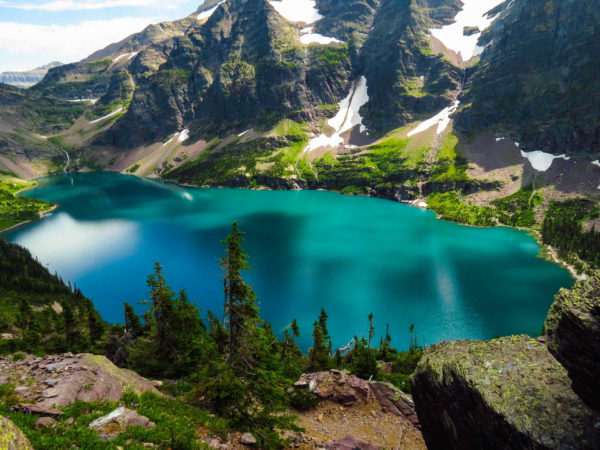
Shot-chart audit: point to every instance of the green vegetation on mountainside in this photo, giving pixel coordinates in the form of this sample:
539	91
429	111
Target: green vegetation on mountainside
14	209
563	229
42	313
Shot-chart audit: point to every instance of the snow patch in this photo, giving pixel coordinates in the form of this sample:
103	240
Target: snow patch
596	163
500	139
171	139
123	55
209	12
116	111
81	100
473	14
442	120
184	135
541	161
309	37
297	10
347	117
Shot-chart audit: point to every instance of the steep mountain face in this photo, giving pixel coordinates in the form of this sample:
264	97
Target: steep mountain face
537	78
27	78
244	65
406	81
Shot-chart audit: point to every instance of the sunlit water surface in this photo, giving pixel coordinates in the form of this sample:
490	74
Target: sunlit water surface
349	255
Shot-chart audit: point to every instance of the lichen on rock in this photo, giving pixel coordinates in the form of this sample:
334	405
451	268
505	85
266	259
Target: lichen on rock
504	393
573	336
11	437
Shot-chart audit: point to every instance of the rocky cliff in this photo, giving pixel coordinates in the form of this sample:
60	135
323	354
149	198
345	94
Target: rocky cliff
573	335
504	394
537	78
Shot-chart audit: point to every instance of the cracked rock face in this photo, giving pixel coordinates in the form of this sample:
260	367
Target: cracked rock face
506	393
573	336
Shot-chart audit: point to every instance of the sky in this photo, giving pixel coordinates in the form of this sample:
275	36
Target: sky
36	32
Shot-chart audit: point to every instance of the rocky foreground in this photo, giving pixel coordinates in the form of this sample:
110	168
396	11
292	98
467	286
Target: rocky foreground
58	380
518	392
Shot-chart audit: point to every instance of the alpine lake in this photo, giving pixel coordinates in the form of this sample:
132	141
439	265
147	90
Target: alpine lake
308	250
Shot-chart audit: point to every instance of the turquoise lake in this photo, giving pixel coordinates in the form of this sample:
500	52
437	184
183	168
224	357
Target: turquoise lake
308	249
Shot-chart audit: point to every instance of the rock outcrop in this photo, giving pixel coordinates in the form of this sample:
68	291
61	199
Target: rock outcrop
504	394
11	437
59	380
117	421
573	336
339	387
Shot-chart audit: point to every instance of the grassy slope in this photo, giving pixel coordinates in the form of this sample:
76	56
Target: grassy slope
14	209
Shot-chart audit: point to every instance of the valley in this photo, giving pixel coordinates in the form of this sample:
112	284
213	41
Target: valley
415	310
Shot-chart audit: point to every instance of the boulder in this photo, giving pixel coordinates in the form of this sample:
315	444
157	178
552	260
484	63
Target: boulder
11	437
115	422
504	394
44	422
248	439
61	379
349	443
395	401
573	336
335	385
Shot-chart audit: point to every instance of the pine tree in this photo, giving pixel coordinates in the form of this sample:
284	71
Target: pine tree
371	329
319	355
240	312
132	321
162	309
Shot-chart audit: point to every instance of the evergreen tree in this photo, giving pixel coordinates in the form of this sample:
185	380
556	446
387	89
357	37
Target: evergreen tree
363	359
319	355
132	322
371	329
241	314
162	309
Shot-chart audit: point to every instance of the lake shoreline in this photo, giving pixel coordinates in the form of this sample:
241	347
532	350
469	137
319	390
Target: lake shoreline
547	252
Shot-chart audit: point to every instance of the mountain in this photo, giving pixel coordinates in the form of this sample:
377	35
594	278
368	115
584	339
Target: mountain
444	102
539	82
27	78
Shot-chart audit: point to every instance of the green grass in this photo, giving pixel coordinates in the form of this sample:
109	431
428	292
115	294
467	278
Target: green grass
518	209
175	423
452	207
14	209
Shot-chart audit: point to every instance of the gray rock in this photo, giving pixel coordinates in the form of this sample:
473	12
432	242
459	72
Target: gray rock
44	422
573	336
115	423
248	439
505	393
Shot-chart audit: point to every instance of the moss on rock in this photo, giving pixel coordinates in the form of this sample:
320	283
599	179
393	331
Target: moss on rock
11	437
505	393
573	330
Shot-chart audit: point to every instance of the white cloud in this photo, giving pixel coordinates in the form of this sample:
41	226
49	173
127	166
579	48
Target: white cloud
81	5
30	45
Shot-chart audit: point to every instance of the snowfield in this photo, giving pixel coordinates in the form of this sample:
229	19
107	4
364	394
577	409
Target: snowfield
116	111
541	161
129	56
472	15
442	120
315	38
209	12
347	117
298	10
